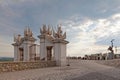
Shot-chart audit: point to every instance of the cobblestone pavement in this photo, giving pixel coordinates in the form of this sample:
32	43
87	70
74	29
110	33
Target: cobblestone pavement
78	70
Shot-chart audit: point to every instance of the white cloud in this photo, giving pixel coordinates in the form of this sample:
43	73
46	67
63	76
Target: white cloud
4	3
8	2
83	32
88	33
6	49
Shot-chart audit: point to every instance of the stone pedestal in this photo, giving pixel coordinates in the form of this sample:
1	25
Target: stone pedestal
53	42
60	52
24	46
26	51
16	53
42	47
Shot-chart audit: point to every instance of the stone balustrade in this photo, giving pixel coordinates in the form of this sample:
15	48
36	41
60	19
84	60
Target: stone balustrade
18	66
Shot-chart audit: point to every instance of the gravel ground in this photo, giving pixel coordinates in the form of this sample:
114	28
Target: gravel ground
78	70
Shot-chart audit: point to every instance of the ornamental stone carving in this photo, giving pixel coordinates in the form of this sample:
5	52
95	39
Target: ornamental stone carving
59	34
45	30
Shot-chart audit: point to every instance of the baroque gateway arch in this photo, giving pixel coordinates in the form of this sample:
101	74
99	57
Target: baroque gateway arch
52	46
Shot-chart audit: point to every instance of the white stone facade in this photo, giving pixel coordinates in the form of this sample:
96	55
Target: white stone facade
24	47
52	46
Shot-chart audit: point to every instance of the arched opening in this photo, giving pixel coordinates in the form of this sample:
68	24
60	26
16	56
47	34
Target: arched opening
49	52
21	50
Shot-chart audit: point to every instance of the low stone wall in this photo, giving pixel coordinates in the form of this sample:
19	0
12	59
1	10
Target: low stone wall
18	66
114	62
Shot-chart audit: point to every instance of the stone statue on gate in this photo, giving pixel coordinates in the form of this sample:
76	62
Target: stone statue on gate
59	34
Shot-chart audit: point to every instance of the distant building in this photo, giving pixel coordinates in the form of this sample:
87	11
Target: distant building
97	56
117	56
102	56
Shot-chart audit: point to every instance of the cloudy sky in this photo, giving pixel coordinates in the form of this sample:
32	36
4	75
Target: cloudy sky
90	24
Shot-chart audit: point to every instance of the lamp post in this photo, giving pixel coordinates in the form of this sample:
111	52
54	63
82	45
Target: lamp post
112	51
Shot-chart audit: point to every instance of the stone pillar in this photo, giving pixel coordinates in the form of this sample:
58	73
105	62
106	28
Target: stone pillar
43	51
16	53
60	53
26	51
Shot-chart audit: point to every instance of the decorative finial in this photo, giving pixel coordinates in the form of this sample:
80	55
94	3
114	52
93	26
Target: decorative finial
15	38
28	32
59	34
19	38
44	28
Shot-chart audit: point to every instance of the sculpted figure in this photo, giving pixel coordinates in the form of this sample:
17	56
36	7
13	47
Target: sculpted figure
110	48
28	32
44	28
41	31
17	38
59	34
64	35
49	32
